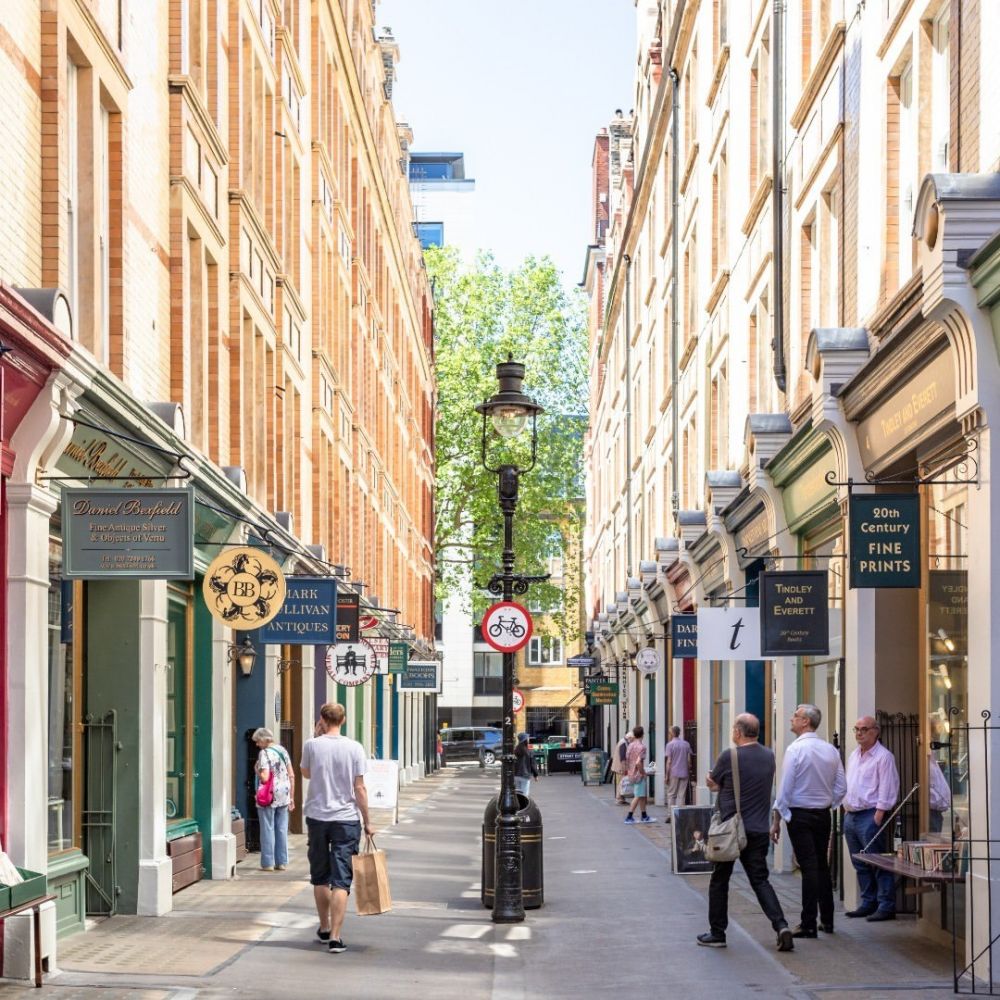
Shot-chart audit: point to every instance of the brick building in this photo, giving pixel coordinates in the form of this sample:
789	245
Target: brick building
795	290
204	205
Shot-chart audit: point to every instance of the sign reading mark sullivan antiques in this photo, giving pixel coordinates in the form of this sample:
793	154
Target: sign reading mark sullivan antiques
347	618
128	532
309	615
885	540
794	613
684	633
244	588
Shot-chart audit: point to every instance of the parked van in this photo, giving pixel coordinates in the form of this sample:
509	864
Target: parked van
465	742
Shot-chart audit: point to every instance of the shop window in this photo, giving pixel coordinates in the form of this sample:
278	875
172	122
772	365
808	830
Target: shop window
544	651
487	674
721	709
63	831
179	708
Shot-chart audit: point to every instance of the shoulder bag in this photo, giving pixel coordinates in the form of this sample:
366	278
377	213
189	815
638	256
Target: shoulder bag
265	790
727	838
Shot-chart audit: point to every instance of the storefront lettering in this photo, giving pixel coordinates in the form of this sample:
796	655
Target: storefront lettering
90	454
885	541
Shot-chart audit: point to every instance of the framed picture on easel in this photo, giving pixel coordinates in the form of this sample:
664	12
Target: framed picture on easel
689	826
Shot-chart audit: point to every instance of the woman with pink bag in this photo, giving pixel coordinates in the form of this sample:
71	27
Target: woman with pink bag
275	800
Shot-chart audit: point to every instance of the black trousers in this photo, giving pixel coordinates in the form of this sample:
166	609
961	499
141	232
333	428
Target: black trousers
809	832
753	857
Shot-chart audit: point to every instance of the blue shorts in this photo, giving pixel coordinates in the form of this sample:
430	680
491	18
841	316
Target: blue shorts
639	789
332	846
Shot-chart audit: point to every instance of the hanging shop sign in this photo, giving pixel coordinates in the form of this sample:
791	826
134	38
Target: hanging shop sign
684	635
128	532
244	588
602	692
399	654
507	626
794	613
380	647
421	676
728	634
647	661
309	615
351	664
885	540
347	617
580	662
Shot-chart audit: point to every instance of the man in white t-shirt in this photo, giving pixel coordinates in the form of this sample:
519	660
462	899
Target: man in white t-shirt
336	807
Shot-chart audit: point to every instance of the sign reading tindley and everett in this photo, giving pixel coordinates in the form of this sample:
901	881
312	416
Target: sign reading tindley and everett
309	615
794	613
128	532
885	540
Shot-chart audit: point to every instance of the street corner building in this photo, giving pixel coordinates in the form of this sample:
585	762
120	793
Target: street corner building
794	277
217	417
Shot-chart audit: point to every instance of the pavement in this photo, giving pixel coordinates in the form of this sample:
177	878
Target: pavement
615	921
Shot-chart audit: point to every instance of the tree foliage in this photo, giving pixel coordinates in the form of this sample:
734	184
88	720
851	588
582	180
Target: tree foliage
483	313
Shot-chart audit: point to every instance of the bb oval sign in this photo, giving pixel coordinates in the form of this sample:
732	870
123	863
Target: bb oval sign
244	588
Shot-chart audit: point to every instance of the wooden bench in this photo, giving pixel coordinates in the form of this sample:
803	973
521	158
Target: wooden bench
904	869
36	906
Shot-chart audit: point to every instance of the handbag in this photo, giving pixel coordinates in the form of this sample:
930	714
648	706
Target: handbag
371	880
265	790
727	838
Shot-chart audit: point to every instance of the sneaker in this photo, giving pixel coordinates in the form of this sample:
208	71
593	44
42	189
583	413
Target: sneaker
280	868
322	935
785	942
336	946
267	868
711	940
647	819
629	818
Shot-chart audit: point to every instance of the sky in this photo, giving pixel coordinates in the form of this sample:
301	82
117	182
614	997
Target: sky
521	87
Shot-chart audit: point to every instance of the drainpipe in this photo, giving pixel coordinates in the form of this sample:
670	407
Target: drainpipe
675	253
628	414
777	191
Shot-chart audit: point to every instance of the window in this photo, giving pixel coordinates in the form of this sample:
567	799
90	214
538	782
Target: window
487	674
907	171
940	91
430	234
73	186
544	651
431	170
179	707
63	708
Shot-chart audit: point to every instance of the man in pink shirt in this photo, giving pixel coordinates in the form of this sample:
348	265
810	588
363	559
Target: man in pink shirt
872	791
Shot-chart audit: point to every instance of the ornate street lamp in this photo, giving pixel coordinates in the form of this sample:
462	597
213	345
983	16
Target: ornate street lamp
244	655
509	411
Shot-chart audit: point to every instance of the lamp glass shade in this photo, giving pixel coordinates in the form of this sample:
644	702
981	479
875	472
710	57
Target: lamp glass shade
246	657
509	420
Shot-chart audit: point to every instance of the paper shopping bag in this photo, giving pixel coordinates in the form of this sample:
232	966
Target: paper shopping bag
371	880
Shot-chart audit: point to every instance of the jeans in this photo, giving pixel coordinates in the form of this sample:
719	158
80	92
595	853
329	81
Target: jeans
878	888
753	857
273	835
809	832
522	786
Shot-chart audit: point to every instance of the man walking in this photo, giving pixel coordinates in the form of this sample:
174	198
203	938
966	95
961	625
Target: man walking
336	807
872	790
618	765
756	766
812	783
635	764
677	761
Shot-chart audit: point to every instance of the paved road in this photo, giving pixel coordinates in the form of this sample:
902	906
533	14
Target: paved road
615	921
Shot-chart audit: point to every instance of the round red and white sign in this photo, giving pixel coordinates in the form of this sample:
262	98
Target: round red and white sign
517	701
367	622
507	626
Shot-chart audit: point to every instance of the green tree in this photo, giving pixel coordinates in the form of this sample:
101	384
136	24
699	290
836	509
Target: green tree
481	314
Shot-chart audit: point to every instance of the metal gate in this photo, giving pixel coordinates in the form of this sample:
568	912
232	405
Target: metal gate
691	735
101	746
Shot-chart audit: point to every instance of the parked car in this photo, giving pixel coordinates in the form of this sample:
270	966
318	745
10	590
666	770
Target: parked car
465	742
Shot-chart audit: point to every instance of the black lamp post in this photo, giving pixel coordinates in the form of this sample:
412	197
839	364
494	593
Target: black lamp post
509	410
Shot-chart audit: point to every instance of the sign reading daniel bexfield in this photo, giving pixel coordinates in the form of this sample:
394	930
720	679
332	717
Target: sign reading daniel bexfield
128	532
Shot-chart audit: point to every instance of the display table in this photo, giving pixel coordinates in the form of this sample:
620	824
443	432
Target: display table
904	869
35	905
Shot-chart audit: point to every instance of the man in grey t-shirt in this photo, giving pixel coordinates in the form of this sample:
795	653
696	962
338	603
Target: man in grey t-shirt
336	806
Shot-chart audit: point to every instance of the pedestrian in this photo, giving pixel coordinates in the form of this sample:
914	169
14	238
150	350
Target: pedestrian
525	767
872	790
756	776
618	765
273	757
635	763
812	783
336	808
677	757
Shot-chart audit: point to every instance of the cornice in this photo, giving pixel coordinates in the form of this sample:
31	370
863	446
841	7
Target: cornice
182	85
831	47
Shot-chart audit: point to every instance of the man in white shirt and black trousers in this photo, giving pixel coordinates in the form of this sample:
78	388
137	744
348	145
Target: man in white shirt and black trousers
812	783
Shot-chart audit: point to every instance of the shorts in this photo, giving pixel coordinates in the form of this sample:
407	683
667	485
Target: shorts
639	789
332	845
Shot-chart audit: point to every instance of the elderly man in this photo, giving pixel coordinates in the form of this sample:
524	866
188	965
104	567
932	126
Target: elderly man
872	790
756	775
812	783
677	760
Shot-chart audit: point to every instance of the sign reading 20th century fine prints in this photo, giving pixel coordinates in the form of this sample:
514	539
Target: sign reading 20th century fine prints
794	613
885	540
128	532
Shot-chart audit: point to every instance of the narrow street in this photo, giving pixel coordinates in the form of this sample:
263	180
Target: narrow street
615	919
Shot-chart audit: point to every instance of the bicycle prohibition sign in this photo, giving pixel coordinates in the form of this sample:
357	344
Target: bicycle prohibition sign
507	626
